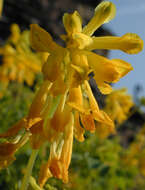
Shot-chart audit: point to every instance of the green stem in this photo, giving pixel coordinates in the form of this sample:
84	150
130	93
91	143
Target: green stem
34	184
27	175
52	109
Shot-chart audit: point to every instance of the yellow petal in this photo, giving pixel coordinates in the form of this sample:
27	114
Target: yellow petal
88	122
79	108
97	114
81	40
51	68
106	127
79	60
80	67
72	22
39	101
44	174
129	43
92	101
7	151
104	12
42	40
60	155
104	69
76	101
58	170
104	88
57	123
118	105
60	120
37	138
107	121
122	66
103	131
15	33
75	96
68	142
58	87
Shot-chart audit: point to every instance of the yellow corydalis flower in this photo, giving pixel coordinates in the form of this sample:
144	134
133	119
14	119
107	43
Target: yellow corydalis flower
76	59
88	112
17	140
118	105
19	63
60	156
65	97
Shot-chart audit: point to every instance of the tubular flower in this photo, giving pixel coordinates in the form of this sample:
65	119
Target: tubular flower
64	105
74	62
88	112
60	156
19	62
15	138
118	105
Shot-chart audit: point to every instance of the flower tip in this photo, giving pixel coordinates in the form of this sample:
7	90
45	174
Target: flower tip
107	9
122	67
33	26
72	22
15	27
40	39
133	43
104	12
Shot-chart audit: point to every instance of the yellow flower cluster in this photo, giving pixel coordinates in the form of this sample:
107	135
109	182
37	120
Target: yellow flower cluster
64	107
136	152
19	62
118	105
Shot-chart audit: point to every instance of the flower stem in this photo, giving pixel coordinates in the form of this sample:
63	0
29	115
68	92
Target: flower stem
34	184
27	175
52	109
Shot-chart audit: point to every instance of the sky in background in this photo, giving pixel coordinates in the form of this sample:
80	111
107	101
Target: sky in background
130	17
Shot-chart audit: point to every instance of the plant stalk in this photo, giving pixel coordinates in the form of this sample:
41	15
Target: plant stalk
27	175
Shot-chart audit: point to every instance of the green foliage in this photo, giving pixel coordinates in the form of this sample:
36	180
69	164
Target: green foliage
14	104
96	164
99	165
